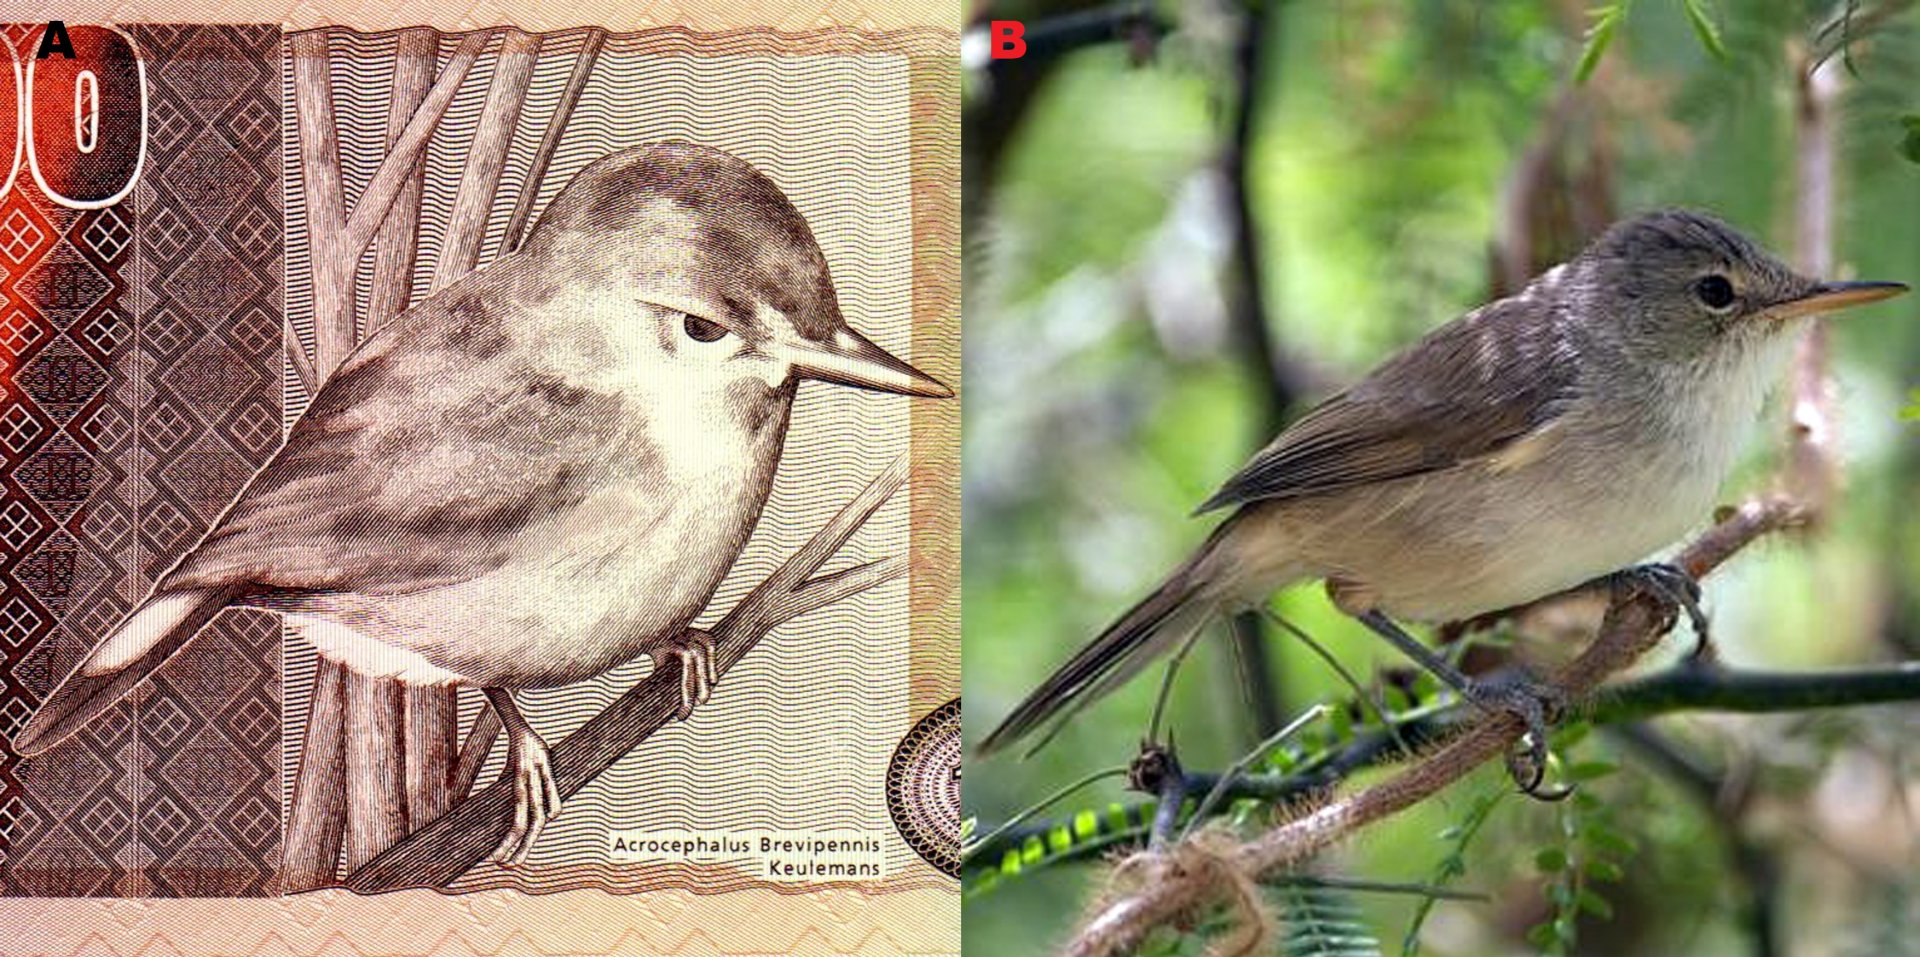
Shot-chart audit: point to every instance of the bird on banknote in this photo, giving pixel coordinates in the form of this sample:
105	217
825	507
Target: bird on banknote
1540	442
539	472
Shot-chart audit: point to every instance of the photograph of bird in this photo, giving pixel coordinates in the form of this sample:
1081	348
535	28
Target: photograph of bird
539	472
1541	442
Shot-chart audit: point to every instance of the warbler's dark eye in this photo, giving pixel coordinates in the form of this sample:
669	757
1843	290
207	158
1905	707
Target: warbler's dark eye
1715	292
703	330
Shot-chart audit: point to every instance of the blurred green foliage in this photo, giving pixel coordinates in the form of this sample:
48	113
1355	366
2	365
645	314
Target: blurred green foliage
1106	396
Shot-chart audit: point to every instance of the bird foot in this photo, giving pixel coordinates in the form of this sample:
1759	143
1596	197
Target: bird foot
1671	585
536	796
1538	706
694	649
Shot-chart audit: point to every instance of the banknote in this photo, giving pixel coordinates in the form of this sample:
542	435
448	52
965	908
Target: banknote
479	479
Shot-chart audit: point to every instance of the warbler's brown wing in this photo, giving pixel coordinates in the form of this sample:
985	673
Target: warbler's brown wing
415	466
1468	391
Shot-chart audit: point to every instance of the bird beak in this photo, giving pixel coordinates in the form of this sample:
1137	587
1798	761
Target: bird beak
1829	296
850	358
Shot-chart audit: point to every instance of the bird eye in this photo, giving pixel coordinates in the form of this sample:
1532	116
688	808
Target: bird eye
1715	292
704	330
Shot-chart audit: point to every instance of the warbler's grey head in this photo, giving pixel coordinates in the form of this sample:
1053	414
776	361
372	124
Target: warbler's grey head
718	266
1682	285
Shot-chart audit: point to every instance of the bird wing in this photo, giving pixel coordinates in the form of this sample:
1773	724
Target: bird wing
1471	390
415	465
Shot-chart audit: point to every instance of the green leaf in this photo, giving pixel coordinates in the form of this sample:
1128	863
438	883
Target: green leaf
1705	28
1596	905
1550	860
1542	937
1395	699
1606	21
1324	922
1571	734
1607	839
1601	869
1591	771
1564	929
1910	148
1341	723
1086	825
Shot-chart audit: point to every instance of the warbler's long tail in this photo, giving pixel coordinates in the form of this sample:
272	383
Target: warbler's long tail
1157	625
159	627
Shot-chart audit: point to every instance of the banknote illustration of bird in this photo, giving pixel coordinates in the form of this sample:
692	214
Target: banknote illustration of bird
539	472
1543	441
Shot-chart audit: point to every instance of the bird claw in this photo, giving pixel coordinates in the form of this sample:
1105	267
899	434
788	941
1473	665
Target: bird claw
536	797
1681	593
1538	706
694	650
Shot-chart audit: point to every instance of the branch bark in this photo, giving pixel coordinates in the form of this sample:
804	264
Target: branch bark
376	810
438	854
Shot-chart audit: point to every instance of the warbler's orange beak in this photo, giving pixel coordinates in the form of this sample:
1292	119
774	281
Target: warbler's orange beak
1831	296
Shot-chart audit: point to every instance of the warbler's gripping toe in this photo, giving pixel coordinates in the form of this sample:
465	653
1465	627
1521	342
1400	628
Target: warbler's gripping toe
536	795
693	648
1679	591
1538	706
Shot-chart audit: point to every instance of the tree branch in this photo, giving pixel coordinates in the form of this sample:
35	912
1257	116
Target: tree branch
438	854
1676	690
1812	473
1634	623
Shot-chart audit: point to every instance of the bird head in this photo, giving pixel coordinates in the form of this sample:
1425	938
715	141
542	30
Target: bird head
717	270
1682	285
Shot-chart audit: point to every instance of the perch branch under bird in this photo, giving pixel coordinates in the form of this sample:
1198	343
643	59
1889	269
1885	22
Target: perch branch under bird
437	855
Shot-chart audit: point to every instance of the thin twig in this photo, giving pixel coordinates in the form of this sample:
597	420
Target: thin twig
1360	691
486	157
1380	887
556	126
410	149
1050	800
473	755
1677	690
1238	768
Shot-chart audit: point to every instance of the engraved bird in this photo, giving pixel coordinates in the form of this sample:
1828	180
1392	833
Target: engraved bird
541	471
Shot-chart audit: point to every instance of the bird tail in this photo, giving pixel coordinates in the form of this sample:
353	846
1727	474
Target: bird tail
143	641
1160	623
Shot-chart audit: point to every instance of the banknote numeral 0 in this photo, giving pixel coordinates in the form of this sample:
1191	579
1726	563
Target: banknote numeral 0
79	123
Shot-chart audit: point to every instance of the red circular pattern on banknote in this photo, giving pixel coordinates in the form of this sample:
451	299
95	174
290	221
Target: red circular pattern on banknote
923	788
